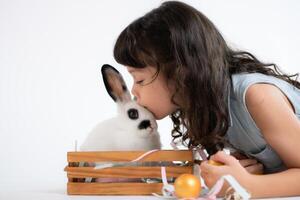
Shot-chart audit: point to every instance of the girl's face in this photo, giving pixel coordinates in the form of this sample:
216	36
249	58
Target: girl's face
152	93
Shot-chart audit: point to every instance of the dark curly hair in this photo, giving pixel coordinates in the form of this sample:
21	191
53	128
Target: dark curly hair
187	48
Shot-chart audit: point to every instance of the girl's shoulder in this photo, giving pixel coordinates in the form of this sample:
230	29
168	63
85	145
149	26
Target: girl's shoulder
241	83
243	133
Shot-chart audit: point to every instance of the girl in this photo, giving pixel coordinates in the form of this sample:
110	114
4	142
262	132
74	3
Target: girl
216	96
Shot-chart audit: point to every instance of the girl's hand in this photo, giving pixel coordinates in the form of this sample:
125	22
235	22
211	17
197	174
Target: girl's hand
250	164
211	173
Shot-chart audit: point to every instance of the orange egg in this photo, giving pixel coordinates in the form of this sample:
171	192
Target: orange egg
187	186
216	163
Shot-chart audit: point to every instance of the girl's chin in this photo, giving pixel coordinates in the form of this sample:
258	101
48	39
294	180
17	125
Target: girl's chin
159	116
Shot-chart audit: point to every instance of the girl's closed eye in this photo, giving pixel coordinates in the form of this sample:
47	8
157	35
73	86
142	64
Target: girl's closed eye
139	82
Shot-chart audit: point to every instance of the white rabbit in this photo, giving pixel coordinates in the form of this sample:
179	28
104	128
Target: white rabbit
134	127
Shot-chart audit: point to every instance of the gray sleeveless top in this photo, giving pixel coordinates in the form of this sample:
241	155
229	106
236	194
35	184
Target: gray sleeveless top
243	133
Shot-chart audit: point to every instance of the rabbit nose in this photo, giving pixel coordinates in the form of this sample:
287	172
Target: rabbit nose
144	124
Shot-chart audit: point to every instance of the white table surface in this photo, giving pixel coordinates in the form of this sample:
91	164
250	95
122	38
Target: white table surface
56	195
55	189
59	193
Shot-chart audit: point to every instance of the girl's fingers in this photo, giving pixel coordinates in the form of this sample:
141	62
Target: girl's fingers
222	157
209	173
205	167
248	162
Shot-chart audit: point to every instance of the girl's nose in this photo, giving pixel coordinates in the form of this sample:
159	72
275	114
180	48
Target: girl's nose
136	96
134	93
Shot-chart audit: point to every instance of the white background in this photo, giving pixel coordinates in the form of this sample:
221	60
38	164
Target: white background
51	90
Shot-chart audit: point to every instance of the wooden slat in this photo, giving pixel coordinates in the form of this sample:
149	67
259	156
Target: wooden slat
113	188
126	172
162	155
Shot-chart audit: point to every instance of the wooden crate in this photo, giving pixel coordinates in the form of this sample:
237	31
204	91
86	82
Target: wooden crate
76	175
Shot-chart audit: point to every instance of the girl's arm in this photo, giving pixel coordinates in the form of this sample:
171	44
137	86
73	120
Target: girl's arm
275	117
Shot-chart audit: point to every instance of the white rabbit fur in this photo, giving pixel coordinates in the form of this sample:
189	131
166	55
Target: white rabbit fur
121	132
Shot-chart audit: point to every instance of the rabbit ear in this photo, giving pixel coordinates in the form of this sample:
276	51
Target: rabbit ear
114	84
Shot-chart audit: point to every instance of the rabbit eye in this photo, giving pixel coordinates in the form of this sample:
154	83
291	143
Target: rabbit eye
133	113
